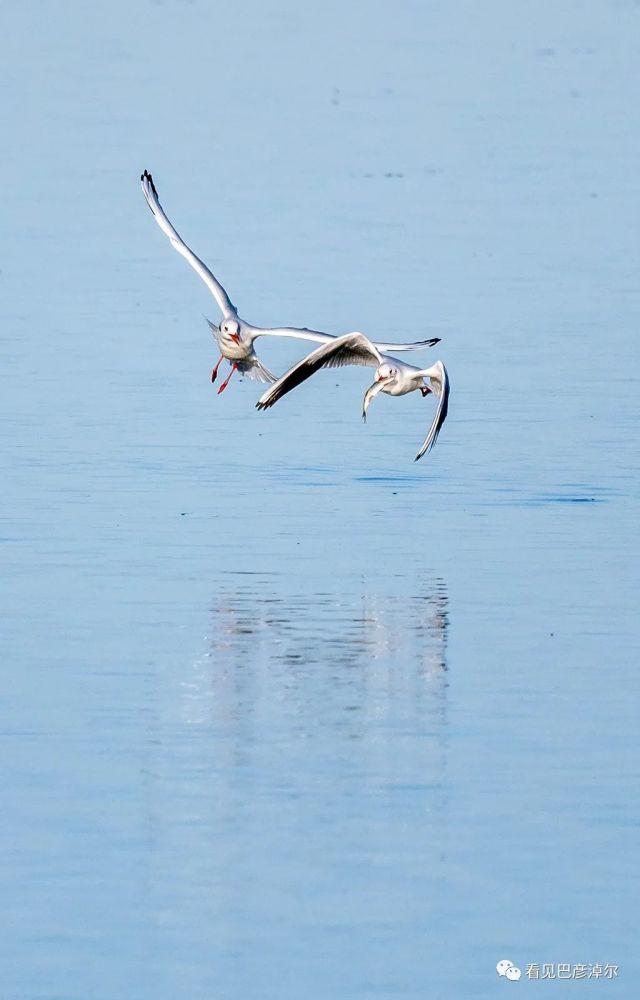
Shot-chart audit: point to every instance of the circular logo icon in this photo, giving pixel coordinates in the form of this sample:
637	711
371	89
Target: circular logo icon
502	966
513	973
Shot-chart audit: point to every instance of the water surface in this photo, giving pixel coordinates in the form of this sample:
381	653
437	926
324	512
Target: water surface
286	713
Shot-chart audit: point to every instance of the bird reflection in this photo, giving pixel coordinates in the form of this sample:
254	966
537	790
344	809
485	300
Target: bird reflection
306	751
369	654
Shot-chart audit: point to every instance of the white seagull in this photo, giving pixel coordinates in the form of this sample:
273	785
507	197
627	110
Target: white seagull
394	377
234	335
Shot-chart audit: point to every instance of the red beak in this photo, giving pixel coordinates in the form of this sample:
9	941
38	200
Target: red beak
236	337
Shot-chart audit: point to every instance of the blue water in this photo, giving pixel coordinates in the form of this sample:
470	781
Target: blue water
284	713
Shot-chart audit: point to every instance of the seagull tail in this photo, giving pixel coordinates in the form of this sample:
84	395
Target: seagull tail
254	369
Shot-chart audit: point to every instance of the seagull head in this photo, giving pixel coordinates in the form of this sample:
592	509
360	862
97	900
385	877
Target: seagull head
385	372
231	328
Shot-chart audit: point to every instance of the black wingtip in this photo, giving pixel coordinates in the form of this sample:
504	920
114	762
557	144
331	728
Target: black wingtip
146	176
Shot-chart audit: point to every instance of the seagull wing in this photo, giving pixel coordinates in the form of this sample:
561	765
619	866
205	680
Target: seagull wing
439	380
148	189
302	333
419	345
350	349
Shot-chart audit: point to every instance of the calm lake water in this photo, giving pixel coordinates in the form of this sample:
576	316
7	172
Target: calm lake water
285	714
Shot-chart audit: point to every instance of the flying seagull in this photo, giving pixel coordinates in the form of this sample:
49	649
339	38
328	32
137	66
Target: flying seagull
234	335
394	377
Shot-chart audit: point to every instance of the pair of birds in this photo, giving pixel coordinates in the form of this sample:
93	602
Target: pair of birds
236	340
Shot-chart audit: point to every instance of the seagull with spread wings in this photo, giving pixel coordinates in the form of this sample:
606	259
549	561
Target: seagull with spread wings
396	378
234	335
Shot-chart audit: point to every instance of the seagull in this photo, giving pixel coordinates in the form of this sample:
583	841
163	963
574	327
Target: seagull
394	377
234	335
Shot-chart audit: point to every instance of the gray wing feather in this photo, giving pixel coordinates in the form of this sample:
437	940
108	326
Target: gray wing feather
350	349
441	385
149	190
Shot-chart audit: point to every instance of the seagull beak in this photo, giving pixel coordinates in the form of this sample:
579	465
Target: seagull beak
235	337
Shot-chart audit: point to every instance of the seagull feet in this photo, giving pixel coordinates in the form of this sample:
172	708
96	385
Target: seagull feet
228	379
214	373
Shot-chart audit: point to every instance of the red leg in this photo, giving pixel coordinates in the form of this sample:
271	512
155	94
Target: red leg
224	385
214	373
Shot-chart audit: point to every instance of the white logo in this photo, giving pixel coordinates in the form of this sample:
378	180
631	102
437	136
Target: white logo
508	969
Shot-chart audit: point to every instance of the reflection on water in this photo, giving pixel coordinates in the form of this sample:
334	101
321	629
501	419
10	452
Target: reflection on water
297	791
370	647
